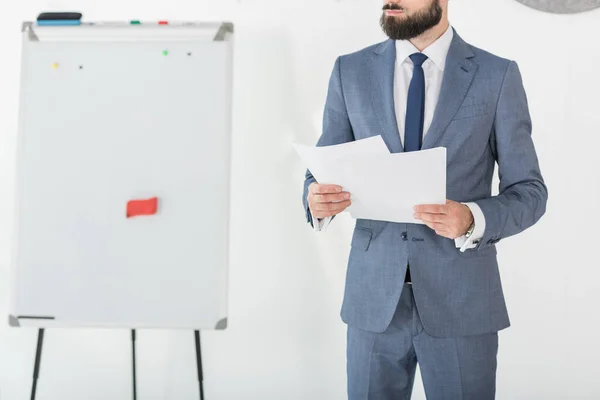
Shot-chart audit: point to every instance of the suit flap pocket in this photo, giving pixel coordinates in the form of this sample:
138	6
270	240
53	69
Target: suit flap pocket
488	251
361	238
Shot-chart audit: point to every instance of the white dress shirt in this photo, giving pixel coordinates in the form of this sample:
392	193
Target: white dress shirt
433	68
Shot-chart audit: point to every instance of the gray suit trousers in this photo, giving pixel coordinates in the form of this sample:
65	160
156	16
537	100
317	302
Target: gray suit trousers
381	366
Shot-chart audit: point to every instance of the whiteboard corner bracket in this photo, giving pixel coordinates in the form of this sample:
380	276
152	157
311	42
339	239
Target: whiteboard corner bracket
13	321
28	27
222	324
225	29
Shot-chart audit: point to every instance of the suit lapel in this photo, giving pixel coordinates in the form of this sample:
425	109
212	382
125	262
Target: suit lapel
458	75
381	74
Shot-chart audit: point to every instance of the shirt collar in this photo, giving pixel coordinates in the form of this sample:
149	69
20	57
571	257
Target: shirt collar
437	52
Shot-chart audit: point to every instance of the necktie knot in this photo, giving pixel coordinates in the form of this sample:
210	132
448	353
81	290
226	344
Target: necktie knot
418	59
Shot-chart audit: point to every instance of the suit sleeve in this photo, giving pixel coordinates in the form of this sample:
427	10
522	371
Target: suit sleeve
336	126
522	197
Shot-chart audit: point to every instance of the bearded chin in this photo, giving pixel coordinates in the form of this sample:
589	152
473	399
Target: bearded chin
410	27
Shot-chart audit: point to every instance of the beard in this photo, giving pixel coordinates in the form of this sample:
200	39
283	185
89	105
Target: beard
411	26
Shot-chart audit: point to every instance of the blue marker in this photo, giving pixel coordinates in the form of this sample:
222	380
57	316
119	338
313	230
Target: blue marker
50	22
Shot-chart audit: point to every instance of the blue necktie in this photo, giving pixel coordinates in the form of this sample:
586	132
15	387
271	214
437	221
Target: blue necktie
415	106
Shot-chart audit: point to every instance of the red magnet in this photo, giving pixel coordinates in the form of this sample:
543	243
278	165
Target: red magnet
137	208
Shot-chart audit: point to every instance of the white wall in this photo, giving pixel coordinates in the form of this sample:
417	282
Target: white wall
285	339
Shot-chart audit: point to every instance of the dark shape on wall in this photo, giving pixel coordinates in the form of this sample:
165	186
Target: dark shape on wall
562	6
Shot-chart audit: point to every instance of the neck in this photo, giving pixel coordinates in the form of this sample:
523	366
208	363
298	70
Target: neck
427	38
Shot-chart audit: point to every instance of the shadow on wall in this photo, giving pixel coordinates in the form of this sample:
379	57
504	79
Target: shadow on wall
269	116
278	285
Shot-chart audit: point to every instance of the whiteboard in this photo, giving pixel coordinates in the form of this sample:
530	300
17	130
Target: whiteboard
111	113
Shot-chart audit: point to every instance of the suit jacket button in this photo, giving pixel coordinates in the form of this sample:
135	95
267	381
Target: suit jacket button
404	236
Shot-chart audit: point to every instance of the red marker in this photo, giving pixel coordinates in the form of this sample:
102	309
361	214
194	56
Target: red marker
163	22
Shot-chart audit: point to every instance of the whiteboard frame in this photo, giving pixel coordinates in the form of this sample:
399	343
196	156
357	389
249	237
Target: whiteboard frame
118	31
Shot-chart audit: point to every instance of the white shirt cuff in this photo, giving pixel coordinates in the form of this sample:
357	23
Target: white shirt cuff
320	224
464	243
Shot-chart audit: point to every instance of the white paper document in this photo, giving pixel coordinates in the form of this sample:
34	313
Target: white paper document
383	186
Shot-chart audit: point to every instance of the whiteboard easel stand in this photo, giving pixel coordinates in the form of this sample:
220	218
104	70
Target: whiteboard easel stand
38	356
224	33
38	359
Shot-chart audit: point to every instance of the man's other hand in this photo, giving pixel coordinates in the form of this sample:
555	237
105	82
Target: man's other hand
450	220
327	200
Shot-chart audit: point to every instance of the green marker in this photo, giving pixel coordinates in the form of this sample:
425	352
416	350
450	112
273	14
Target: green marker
165	52
135	22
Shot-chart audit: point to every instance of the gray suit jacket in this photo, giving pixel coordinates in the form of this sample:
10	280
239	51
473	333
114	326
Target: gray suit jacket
482	118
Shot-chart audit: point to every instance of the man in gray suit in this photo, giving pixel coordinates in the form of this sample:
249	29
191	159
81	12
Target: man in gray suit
430	293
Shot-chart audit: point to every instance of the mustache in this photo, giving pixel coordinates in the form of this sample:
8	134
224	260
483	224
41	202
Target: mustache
392	6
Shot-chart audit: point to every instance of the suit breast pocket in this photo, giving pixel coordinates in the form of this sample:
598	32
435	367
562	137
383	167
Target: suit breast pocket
472	110
364	125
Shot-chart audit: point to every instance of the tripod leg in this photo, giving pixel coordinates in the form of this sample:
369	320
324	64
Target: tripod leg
133	364
38	359
199	362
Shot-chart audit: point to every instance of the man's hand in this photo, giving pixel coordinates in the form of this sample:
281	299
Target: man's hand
327	200
451	220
